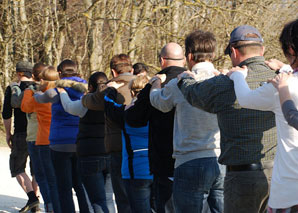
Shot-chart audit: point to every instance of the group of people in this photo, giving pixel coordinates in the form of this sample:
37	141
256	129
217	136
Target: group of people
193	140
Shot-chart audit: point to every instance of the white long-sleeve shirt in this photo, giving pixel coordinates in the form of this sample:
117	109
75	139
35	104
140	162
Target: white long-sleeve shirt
72	107
284	183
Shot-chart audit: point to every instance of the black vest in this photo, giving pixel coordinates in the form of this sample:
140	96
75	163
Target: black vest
90	139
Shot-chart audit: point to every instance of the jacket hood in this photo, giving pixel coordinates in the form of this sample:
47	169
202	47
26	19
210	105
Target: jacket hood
78	86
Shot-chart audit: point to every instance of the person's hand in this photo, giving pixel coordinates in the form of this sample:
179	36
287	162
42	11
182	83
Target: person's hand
186	74
274	64
8	141
115	84
243	70
162	77
60	89
280	80
221	71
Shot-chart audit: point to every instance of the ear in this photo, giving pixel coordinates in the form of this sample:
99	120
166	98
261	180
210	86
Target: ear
114	73
131	70
189	57
235	52
263	50
291	51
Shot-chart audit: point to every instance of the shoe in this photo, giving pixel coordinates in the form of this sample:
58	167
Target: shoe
29	205
36	209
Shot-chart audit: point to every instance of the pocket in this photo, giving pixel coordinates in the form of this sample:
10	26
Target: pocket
91	167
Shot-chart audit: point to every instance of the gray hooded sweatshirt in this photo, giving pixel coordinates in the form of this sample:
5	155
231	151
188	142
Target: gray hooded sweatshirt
196	132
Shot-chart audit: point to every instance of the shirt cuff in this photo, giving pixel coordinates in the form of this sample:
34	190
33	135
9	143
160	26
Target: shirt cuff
286	68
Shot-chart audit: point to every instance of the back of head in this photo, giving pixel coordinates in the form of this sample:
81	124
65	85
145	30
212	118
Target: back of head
201	45
289	39
121	63
68	68
139	68
95	79
24	68
137	84
37	69
247	40
48	76
172	55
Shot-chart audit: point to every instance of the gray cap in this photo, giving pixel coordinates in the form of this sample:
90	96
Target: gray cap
24	66
240	34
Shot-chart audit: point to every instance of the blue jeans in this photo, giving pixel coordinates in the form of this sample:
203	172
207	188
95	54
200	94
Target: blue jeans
121	197
92	172
109	192
68	177
163	188
196	180
39	173
48	169
139	191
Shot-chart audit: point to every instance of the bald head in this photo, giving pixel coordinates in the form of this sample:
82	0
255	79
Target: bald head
172	55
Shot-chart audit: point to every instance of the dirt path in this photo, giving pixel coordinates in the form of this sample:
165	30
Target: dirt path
12	197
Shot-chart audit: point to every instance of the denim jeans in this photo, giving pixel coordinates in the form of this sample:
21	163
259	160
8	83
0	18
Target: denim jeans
68	177
139	194
197	180
121	197
109	192
162	189
39	173
248	191
92	172
48	169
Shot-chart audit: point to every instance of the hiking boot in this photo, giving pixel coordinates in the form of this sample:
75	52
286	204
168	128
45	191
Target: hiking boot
29	205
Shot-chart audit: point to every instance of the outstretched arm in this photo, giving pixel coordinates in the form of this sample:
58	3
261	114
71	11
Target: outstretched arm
259	99
50	96
72	107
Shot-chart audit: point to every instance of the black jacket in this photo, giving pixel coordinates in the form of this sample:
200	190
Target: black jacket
90	139
160	127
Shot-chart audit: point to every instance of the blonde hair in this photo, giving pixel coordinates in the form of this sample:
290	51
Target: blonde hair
49	75
138	83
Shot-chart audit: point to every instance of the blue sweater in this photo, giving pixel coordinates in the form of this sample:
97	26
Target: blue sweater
64	126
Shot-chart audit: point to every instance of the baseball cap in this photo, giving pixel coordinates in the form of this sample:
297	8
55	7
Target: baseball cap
240	34
26	67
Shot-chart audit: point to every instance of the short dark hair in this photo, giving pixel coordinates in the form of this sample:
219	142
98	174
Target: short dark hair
121	63
97	78
139	68
201	44
37	69
68	68
289	38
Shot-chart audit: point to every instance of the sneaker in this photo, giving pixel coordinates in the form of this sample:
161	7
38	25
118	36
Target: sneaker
29	205
36	209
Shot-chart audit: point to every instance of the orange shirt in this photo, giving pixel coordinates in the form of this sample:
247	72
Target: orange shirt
43	112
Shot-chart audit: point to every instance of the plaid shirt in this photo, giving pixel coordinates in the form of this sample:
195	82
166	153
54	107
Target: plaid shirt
247	136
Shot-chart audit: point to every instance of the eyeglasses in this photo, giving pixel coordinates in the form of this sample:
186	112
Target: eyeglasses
168	58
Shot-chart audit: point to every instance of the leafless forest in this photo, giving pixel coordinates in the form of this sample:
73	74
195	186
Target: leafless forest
91	31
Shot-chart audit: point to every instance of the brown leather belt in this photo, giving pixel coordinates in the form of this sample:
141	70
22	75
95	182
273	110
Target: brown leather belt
246	167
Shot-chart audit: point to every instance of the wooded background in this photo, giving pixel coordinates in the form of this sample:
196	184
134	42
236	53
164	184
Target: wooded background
92	31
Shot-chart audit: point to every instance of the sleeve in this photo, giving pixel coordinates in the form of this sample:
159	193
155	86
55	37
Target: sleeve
259	99
95	101
16	96
291	114
72	107
50	96
138	115
28	102
211	95
7	108
162	99
113	111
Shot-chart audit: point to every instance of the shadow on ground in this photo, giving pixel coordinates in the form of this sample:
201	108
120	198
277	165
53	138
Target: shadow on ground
10	204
